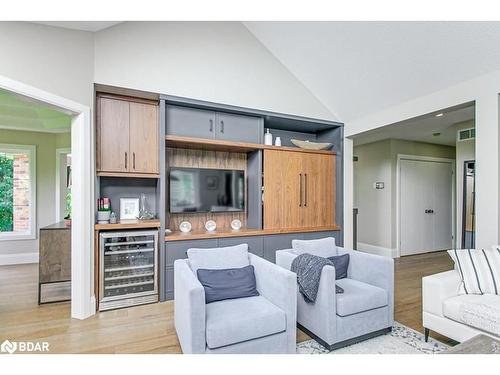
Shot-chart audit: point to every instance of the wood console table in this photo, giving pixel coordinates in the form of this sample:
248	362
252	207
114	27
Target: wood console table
54	257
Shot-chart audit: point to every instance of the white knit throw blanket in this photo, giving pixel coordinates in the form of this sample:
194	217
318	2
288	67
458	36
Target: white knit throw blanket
481	316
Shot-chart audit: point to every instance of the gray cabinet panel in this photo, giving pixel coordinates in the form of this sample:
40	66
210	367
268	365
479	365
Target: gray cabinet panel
177	250
169	279
255	244
190	122
238	128
276	242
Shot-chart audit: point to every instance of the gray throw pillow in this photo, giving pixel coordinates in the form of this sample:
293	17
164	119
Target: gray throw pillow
341	264
228	283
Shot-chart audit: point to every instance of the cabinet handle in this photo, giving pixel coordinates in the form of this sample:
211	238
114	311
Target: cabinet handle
133	160
305	188
125	160
211	125
222	126
300	189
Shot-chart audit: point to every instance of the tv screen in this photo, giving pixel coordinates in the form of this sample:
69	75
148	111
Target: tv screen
206	190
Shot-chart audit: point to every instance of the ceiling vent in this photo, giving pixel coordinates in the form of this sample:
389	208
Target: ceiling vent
465	134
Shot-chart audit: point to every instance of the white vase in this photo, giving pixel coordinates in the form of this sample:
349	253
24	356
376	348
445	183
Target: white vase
268	138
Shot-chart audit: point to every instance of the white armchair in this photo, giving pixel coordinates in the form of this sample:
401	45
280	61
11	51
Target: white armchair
364	310
261	324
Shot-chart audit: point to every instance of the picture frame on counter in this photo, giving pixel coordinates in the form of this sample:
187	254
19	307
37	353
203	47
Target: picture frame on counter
129	208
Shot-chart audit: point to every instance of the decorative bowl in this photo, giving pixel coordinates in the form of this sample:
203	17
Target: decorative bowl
236	224
185	227
308	145
210	225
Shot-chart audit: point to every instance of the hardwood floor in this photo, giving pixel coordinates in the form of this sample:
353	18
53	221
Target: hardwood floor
409	271
150	328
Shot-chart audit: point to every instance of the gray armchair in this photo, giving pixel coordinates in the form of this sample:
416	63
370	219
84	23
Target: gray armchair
364	310
261	324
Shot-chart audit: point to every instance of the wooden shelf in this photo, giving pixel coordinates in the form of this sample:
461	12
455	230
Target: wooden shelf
297	149
218	145
126	174
129	225
198	235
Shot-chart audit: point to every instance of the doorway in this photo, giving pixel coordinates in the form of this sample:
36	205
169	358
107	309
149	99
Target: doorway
426	197
82	296
469	209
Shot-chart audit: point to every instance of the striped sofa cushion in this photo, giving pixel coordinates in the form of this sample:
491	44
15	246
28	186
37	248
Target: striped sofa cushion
479	270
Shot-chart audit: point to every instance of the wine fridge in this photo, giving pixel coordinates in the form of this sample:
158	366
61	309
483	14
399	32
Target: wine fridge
128	265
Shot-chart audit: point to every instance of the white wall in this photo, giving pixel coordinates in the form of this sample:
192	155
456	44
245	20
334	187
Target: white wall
374	206
377	216
53	59
214	61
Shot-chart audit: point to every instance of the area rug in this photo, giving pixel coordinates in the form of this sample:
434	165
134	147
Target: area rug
402	340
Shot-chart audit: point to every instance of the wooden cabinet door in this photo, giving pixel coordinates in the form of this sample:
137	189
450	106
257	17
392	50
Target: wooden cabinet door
113	137
143	138
282	189
238	128
319	190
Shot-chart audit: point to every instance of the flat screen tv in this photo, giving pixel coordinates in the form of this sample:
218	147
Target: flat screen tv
206	190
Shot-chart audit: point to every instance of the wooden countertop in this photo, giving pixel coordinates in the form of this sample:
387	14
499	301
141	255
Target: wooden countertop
59	225
129	225
197	235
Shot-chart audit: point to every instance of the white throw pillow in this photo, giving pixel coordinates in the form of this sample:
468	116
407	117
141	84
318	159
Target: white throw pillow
219	258
324	247
479	270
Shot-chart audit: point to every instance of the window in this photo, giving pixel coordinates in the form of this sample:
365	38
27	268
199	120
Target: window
17	192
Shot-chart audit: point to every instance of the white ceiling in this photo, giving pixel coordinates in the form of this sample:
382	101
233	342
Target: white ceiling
92	26
358	68
423	128
20	113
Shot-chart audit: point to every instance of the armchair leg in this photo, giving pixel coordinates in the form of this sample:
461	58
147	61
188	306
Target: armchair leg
426	334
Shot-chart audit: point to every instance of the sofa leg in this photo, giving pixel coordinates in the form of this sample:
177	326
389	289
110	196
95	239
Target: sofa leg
426	334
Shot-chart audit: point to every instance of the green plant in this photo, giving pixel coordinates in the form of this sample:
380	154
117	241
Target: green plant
6	193
68	205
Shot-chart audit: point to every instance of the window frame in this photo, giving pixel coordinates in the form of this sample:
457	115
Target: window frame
30	150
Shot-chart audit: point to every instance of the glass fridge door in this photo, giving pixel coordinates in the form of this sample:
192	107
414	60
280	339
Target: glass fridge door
128	265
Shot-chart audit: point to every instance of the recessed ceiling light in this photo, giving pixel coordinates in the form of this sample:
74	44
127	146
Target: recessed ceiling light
439	114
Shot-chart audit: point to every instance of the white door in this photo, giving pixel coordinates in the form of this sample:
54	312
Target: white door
426	211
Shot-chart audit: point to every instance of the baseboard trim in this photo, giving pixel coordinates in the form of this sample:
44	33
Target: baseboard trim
377	250
22	258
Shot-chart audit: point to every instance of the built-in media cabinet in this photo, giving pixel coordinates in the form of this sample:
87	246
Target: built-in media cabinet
289	192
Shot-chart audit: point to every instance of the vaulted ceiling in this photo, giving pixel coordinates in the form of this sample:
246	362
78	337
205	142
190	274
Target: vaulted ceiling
358	68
